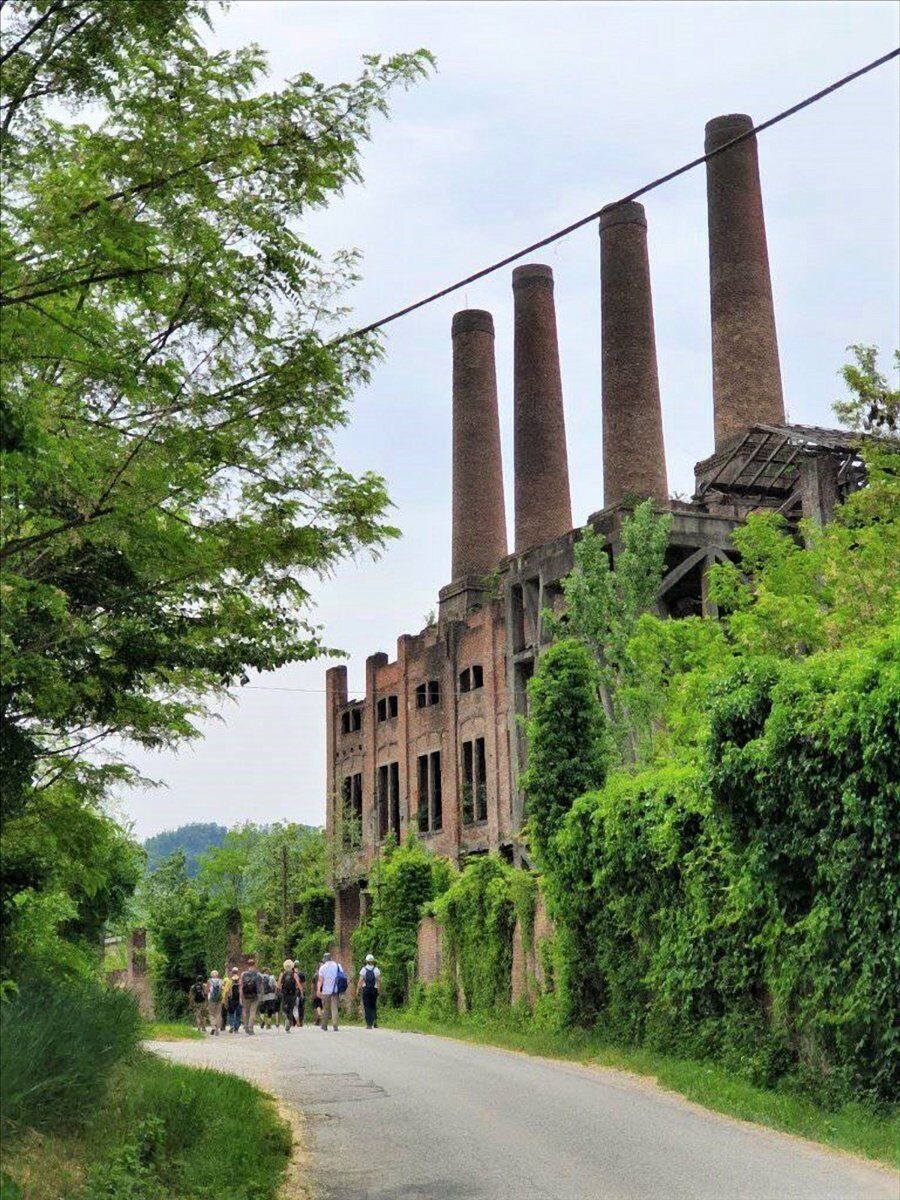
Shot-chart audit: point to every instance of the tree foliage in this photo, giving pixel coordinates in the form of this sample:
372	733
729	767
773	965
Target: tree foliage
170	380
194	839
567	741
406	879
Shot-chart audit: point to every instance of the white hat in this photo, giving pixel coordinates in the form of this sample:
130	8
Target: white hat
370	958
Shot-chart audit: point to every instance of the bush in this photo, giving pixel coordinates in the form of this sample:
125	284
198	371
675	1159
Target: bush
58	1043
407	879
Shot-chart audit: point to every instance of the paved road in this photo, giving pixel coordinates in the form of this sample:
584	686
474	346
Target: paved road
403	1116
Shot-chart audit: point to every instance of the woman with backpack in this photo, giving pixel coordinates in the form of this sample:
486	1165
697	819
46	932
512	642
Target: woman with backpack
198	1003
214	1001
367	988
233	1002
288	988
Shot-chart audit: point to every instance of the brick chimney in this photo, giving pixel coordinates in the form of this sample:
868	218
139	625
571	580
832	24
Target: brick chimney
634	454
543	506
746	371
479	516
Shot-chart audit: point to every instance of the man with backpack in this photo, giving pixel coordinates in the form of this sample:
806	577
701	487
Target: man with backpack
198	1003
214	1001
332	985
268	1009
233	1002
367	988
251	989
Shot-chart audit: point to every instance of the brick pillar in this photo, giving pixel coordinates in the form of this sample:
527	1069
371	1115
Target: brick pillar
335	697
543	506
479	516
746	371
634	454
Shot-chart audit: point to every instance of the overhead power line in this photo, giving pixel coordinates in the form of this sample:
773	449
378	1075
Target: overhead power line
641	191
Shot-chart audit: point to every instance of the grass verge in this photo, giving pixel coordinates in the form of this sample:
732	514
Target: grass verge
166	1132
169	1031
852	1127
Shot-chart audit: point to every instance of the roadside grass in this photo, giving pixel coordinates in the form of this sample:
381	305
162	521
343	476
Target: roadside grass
852	1127
169	1031
87	1114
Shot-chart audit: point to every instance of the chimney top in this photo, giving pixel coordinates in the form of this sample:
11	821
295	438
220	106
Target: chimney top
722	129
629	213
472	320
531	273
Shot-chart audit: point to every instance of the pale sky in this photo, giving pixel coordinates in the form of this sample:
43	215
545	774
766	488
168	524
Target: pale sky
539	114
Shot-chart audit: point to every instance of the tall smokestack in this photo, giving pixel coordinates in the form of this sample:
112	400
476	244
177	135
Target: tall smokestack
634	454
479	517
746	371
543	506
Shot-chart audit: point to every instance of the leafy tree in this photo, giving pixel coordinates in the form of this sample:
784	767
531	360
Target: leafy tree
170	379
873	405
603	607
193	839
568	748
409	877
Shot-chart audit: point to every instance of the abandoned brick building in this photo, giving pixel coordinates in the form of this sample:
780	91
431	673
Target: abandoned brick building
436	744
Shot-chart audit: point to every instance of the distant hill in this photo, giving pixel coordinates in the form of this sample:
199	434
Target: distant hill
193	839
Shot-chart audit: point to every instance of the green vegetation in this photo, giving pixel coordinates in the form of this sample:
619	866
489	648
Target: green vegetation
170	1031
193	840
171	381
267	882
166	1132
405	879
850	1126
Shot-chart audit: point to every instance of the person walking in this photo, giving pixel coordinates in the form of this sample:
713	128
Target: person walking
233	1002
268	1009
214	1002
288	988
317	999
367	987
331	977
301	997
251	990
198	1003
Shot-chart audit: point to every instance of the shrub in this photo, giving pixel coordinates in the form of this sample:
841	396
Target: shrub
407	878
567	741
58	1044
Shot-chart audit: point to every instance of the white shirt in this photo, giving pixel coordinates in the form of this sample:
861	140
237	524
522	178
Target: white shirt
327	977
362	974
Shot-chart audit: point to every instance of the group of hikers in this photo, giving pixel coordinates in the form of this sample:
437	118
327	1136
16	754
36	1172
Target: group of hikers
254	996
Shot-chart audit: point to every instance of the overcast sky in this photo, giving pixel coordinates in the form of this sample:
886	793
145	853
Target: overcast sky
539	114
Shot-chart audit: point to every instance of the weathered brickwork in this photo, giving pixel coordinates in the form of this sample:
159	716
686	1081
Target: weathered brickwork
436	744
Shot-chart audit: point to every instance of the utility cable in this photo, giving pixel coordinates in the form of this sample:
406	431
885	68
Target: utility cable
641	191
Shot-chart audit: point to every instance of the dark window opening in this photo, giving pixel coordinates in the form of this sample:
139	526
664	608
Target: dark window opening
355	720
387	708
430	814
437	812
345	722
382	790
423	793
395	799
465	680
480	781
477	677
393	707
428	693
468	790
381	709
351	814
517	604
474	782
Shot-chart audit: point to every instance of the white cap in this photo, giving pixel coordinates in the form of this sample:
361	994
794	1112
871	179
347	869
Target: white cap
370	958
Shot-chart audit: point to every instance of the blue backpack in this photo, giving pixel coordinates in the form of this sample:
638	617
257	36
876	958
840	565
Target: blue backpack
341	982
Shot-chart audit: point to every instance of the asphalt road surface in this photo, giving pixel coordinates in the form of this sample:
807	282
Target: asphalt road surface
404	1116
